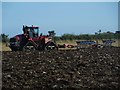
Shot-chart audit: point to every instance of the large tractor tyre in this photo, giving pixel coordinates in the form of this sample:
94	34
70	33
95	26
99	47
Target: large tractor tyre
50	46
29	47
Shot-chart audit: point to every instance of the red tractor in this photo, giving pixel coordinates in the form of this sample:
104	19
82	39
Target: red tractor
30	40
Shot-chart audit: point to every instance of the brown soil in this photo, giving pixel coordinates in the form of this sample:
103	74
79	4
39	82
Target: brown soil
83	69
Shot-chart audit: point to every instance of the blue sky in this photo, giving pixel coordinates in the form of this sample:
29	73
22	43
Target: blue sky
59	0
63	17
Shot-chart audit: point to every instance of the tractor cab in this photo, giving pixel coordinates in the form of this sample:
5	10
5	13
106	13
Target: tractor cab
31	32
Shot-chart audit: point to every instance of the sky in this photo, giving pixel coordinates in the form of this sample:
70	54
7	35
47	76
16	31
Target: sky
59	0
62	17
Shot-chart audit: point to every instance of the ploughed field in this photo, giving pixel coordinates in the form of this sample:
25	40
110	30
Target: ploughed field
77	69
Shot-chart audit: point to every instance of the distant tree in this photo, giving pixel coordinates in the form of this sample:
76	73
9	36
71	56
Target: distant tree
4	38
117	32
96	33
86	37
57	38
68	37
97	36
51	33
99	31
117	35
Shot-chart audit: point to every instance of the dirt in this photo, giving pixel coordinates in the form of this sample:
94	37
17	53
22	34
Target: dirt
84	69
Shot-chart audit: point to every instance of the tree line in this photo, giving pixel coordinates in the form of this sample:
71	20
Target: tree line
99	35
4	38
